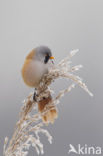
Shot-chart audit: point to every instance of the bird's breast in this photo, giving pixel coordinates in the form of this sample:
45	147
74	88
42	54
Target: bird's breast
32	72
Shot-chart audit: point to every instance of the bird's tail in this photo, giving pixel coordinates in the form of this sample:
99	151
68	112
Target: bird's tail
50	114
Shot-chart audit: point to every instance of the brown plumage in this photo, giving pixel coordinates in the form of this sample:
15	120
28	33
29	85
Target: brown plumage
51	114
29	70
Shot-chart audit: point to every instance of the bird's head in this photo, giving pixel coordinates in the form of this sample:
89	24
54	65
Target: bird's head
43	54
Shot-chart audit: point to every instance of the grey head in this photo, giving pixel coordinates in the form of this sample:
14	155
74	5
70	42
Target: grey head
43	53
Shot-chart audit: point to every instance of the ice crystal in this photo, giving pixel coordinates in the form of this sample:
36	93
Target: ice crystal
29	126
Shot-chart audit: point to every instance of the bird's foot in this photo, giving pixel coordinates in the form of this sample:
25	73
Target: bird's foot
35	97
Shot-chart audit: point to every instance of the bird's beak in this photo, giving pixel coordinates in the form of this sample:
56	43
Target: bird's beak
51	57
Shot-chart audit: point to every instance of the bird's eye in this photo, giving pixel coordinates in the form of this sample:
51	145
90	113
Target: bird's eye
46	59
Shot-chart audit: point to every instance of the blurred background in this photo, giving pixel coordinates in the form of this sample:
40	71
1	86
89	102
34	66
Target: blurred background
62	26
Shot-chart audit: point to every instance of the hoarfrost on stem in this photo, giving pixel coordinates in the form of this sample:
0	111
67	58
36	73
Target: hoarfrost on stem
29	126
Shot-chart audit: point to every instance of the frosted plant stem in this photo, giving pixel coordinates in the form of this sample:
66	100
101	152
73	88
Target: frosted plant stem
29	126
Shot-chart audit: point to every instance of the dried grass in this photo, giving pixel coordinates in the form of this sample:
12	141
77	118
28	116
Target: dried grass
30	123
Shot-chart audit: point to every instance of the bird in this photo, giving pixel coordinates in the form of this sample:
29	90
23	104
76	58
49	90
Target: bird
36	64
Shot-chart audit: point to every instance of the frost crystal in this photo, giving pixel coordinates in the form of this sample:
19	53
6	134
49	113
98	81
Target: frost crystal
29	126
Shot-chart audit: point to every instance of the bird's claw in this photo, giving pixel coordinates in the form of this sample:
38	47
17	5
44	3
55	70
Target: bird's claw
35	97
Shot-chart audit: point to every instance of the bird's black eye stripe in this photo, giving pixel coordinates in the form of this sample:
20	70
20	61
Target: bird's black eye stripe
46	59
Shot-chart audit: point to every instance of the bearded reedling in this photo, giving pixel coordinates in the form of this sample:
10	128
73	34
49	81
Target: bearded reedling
37	63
